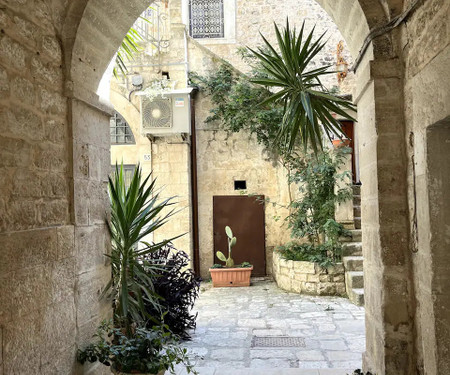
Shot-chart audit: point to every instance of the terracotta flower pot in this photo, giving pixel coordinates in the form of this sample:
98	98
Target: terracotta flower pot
229	277
337	143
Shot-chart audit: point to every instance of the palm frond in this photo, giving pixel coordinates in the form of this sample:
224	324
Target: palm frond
308	104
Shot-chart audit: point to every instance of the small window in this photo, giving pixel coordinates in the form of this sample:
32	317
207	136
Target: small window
128	172
120	131
206	18
240	185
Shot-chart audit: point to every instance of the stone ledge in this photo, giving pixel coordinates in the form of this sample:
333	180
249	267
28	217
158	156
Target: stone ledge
308	278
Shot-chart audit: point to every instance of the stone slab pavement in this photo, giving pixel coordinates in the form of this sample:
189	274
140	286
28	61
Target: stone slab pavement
331	329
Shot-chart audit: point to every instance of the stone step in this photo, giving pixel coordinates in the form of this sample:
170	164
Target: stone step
356	189
356	296
357	211
357	223
352	248
355	236
353	263
354	280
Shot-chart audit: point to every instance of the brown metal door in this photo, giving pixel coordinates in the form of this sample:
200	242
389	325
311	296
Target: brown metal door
245	216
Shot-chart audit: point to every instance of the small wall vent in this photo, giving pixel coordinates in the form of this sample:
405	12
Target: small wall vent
240	185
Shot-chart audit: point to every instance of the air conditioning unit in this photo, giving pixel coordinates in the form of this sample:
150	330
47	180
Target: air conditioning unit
156	114
166	115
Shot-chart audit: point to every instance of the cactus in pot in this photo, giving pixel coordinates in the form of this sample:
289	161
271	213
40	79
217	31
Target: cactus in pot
229	262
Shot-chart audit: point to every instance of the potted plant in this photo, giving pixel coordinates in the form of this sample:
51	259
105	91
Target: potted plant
230	275
344	142
144	352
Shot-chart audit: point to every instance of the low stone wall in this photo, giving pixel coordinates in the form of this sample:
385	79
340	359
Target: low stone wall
308	278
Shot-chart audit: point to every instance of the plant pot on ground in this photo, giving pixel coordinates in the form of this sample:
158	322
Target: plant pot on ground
337	143
230	275
141	351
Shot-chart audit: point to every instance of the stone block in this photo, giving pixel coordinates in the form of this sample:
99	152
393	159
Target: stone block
325	278
335	269
63	279
51	49
90	247
296	286
89	287
58	329
325	289
284	282
13	54
55	131
46	73
52	102
309	288
4	83
23	91
27	125
304	267
28	249
300	276
22	336
313	278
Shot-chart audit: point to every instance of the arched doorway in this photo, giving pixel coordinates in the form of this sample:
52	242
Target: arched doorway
54	132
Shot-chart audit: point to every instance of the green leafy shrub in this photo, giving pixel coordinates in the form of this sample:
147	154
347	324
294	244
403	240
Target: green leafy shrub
312	215
178	288
144	351
320	254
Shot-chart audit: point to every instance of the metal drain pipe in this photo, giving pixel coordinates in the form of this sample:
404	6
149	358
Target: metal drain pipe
194	188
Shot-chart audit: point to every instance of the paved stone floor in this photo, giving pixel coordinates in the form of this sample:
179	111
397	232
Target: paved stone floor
331	331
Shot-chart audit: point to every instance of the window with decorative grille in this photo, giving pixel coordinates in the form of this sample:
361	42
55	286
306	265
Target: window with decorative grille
120	131
206	18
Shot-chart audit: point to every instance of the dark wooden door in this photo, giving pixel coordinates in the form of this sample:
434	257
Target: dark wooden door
348	129
245	216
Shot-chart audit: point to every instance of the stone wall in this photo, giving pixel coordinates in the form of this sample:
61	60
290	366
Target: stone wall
308	277
427	107
53	203
253	17
54	159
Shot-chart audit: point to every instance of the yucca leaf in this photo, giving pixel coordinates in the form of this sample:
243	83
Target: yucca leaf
307	103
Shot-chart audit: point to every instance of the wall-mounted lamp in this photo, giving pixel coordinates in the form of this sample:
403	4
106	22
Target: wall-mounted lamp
138	82
341	64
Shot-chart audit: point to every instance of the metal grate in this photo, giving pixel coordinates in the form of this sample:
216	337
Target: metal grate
119	130
278	342
206	18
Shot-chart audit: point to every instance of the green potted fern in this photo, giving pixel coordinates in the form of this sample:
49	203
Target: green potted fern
229	275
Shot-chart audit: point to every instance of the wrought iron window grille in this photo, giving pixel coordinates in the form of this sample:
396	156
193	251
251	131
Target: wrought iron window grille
120	132
206	19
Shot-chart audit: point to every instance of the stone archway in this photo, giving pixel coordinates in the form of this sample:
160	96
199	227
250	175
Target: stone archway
54	146
382	52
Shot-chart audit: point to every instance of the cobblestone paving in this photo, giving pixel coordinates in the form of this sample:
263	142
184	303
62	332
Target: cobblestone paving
228	318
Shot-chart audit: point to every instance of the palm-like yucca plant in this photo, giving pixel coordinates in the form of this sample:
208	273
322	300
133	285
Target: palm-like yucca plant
128	48
136	212
308	105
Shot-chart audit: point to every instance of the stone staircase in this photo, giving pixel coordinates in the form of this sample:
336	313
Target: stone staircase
352	255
